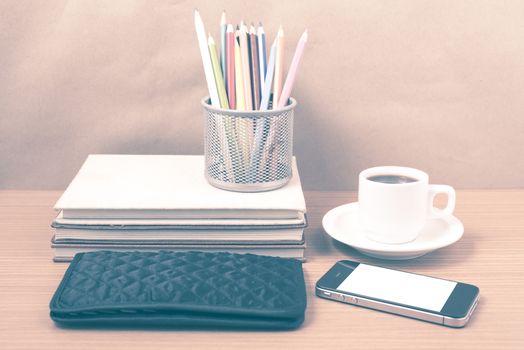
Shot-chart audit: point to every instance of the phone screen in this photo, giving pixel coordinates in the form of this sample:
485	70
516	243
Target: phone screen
398	287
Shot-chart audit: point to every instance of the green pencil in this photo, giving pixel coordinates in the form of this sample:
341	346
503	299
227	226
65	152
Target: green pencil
219	79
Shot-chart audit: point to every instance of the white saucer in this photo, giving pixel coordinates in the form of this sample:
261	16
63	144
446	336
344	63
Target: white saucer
341	223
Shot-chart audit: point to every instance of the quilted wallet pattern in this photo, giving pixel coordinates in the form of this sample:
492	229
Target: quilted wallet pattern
187	289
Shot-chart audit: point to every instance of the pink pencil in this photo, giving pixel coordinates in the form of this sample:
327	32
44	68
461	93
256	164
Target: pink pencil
230	62
290	79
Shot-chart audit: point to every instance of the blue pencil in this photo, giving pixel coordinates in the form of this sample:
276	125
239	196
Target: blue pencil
259	155
261	35
266	93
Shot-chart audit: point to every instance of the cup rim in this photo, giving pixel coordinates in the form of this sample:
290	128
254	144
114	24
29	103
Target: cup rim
419	175
209	107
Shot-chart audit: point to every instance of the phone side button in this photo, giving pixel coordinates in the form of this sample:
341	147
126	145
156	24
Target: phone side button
338	296
350	299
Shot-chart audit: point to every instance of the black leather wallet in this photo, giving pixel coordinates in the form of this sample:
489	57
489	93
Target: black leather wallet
181	289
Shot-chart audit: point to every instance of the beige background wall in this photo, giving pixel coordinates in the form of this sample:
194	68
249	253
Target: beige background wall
437	85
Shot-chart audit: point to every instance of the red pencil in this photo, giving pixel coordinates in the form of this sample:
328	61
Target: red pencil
230	62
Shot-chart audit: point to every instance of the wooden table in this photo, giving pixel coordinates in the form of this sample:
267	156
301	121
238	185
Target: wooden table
489	255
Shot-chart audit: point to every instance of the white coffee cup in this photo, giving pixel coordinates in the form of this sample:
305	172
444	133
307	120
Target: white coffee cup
395	203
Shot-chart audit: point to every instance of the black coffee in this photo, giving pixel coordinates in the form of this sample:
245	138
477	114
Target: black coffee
392	179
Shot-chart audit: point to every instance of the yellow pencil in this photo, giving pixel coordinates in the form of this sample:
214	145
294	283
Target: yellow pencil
244	53
239	78
222	96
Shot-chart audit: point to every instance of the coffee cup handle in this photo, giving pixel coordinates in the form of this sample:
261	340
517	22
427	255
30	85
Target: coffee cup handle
448	210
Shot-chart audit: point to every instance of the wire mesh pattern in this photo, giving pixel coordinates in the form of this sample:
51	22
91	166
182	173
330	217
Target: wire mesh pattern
248	151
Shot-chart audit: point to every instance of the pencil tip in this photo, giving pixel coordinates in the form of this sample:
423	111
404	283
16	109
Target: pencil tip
198	19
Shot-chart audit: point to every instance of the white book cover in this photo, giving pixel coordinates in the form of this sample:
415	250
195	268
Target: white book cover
168	186
153	224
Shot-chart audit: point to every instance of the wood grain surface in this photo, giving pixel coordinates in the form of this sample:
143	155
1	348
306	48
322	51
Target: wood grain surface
490	255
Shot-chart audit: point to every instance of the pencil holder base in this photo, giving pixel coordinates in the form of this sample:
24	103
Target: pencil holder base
256	187
248	151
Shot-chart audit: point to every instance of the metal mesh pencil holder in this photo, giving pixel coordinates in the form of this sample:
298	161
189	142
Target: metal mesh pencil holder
248	151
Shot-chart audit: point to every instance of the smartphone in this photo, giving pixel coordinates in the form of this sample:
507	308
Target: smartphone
425	298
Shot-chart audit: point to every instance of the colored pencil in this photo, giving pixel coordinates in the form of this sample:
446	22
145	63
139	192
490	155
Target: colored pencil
279	66
292	73
242	35
218	73
241	125
261	36
248	38
266	94
260	155
239	78
240	99
206	60
223	28
230	69
255	75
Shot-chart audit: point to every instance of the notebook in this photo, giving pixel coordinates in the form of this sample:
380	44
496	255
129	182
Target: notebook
180	235
168	187
66	252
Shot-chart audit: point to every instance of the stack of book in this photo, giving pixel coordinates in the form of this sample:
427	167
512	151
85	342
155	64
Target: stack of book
154	202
